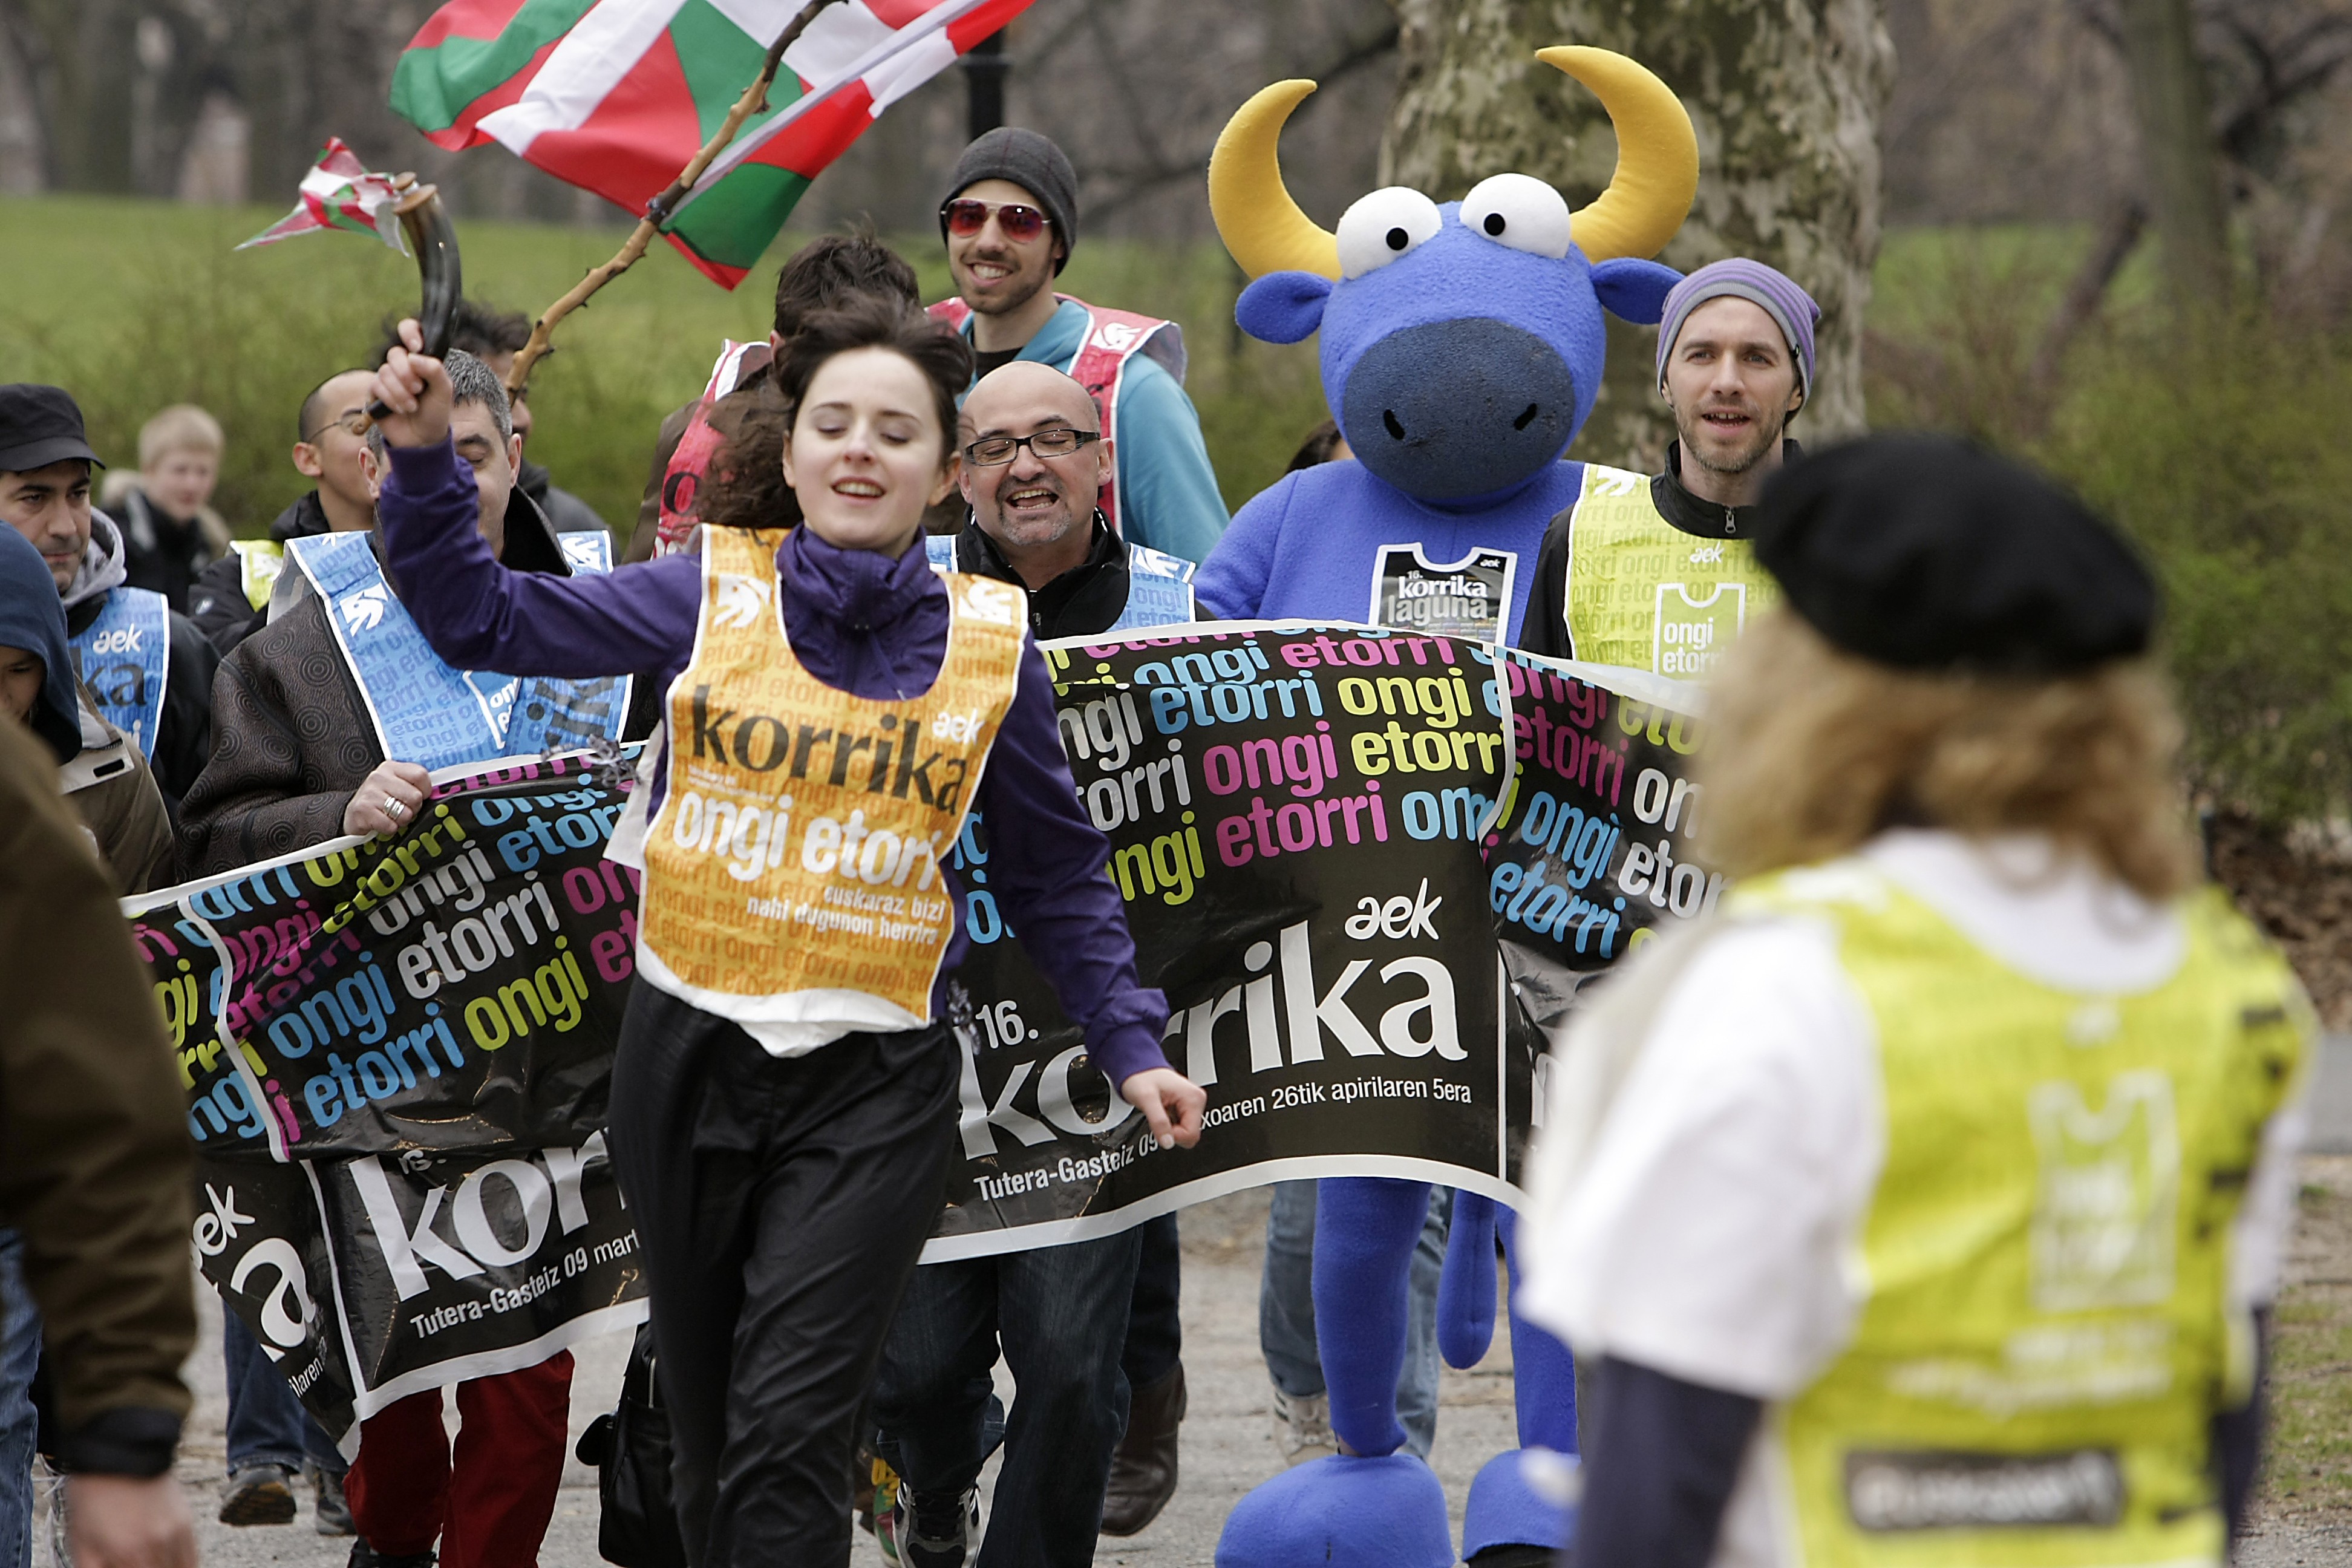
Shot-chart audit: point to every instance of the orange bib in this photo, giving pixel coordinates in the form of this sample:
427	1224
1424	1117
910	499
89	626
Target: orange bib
793	873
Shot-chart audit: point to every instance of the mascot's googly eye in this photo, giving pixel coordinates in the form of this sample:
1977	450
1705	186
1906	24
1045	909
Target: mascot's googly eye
1520	211
1382	226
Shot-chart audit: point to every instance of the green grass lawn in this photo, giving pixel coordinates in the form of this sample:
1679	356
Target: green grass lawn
133	305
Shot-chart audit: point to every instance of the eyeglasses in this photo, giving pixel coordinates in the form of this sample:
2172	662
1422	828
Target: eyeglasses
354	424
996	451
965	217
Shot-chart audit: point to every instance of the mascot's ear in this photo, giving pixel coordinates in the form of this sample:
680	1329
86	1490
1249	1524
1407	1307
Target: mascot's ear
1633	292
1285	307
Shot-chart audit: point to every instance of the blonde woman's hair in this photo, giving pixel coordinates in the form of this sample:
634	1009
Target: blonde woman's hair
183	428
1813	751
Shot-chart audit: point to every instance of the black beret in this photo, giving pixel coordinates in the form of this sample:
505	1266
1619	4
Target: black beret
1929	553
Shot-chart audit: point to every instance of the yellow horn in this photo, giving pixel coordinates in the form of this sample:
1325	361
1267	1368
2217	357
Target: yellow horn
1259	223
1657	156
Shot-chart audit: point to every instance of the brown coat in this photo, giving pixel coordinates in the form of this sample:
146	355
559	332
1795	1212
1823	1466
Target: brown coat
292	741
95	1170
113	792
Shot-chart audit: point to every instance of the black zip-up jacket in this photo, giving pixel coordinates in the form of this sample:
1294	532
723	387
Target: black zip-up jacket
1545	630
1086	599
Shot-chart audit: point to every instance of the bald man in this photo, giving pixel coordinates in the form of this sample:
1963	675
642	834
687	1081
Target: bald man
1034	458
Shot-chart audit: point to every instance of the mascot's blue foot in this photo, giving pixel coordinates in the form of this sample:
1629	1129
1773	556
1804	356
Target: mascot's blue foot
1518	1509
1388	1512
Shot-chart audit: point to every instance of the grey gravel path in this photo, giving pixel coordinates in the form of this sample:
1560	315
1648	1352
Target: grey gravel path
1227	1446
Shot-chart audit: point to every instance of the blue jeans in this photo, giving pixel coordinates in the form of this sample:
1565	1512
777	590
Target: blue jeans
20	1352
267	1424
1060	1315
1286	1309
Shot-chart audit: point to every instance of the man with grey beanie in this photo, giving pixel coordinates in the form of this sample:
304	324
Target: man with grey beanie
1657	574
1010	221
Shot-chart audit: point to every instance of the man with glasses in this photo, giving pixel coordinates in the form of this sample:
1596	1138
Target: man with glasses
230	598
1035	460
1009	224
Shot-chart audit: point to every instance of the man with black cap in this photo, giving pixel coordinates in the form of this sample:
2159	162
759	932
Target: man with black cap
146	664
1660	574
1928	1203
1009	222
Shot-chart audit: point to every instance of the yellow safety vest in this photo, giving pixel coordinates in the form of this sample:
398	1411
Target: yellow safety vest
1643	595
2046	1334
259	562
793	873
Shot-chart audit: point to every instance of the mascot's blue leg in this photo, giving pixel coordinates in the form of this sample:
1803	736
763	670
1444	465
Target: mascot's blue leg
1365	1231
1374	1508
1541	1367
1510	1520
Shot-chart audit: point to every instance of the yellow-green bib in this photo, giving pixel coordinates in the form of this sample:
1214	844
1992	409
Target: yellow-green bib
1642	593
2045	1336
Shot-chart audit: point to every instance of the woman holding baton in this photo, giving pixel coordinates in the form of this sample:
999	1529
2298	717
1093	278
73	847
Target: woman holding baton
784	1099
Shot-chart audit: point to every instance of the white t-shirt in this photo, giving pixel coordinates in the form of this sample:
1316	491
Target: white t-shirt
1713	1233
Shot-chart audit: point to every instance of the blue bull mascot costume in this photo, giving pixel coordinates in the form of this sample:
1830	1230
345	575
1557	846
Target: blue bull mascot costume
1462	348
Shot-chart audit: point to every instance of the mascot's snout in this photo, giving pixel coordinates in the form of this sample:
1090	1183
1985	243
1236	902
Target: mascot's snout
1467	432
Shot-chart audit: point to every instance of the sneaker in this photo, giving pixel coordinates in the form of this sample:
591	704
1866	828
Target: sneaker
258	1494
1302	1426
334	1511
936	1540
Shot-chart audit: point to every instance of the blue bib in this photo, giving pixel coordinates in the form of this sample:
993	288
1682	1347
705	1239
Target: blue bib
428	713
1158	586
124	656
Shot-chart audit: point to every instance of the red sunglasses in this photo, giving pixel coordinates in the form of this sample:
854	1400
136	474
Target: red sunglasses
964	219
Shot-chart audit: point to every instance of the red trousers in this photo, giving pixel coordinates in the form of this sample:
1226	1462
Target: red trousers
490	1500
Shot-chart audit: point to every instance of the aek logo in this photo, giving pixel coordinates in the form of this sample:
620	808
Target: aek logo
1115	336
365	610
741	601
287	1308
124	639
1283	1008
1615	484
1708	555
957	727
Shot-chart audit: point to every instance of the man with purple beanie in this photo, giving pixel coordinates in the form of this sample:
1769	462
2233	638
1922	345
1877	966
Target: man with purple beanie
1657	574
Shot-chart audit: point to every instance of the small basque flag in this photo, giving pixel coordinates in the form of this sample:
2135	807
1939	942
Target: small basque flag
340	193
615	96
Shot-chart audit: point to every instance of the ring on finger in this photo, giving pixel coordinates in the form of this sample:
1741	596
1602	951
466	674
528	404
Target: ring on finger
394	809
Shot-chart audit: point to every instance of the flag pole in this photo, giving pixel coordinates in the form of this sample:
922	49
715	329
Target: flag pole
657	211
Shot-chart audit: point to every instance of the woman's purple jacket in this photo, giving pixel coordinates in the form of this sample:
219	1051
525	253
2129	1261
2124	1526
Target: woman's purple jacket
861	623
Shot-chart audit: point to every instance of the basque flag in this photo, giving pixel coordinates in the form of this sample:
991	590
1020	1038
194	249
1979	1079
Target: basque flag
615	96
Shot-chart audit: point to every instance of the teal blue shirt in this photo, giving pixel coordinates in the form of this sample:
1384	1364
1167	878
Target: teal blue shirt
1168	496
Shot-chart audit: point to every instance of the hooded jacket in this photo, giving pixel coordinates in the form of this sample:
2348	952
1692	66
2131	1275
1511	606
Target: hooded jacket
861	623
184	737
94	1162
105	779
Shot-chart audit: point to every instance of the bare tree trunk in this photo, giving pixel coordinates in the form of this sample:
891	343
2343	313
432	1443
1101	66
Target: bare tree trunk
1786	96
2184	184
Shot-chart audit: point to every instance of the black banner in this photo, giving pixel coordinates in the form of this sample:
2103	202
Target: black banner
423	1026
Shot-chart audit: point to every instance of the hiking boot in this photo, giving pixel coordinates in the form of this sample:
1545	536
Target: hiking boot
940	1538
1302	1426
1143	1467
333	1512
258	1494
